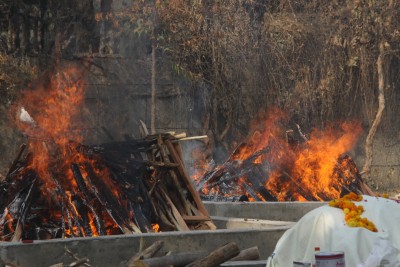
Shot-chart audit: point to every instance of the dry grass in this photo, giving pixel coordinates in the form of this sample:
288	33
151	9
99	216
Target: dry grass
15	74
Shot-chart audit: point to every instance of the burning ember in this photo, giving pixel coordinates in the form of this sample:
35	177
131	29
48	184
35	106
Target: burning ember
280	165
57	187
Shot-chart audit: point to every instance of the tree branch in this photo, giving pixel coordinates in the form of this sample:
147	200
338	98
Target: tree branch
381	106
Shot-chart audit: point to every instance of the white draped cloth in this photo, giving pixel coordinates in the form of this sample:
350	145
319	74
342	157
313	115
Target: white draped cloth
326	228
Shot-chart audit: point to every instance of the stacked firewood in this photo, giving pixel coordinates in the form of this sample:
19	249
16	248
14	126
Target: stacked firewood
124	187
153	257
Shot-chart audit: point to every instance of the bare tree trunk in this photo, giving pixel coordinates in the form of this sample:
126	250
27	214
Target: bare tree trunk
381	106
11	34
153	87
153	71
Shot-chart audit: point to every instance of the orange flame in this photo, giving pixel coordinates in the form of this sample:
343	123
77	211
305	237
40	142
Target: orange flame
315	165
295	170
53	109
52	122
156	227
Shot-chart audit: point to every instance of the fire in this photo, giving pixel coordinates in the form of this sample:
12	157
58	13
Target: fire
315	165
50	116
200	163
271	162
6	220
53	108
156	227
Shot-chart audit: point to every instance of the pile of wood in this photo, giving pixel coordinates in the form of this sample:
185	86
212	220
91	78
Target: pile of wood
125	187
153	257
243	180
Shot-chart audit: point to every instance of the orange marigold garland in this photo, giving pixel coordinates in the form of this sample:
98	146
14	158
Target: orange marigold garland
353	212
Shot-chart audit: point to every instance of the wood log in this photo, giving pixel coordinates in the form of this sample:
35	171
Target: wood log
143	129
83	261
218	256
23	209
178	150
174	177
146	253
80	181
159	212
79	262
175	212
189	138
165	214
108	201
251	192
247	254
15	161
99	221
180	135
199	218
176	260
187	180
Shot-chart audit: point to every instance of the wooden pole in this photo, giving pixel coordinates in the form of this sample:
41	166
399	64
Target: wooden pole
218	256
146	253
179	259
186	177
247	254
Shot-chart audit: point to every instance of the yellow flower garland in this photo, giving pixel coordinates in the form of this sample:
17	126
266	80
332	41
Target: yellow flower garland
352	212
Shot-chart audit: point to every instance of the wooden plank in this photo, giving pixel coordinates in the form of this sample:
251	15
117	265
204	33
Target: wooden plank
186	178
175	211
179	189
196	218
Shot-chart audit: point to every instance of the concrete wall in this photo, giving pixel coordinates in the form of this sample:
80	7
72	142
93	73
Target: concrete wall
276	211
118	96
114	250
385	173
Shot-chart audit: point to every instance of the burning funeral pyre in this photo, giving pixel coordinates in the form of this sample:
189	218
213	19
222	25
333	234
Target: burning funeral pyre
276	164
58	188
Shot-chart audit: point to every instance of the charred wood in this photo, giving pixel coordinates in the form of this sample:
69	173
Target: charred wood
113	190
80	181
16	161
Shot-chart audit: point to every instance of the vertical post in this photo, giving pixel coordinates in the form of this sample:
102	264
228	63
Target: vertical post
153	71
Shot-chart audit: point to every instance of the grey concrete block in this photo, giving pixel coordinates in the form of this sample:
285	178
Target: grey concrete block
276	211
114	250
